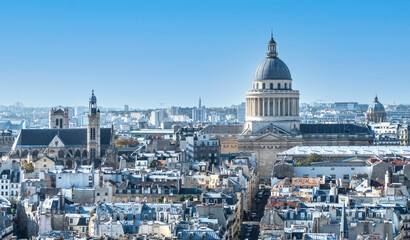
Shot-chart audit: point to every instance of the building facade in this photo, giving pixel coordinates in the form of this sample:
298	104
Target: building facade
69	147
272	117
58	118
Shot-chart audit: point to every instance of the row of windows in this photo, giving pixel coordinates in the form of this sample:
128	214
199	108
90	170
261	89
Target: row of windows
98	194
12	193
332	176
271	86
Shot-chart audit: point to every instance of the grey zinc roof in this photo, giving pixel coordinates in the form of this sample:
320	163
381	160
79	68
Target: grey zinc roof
223	129
333	129
73	137
272	68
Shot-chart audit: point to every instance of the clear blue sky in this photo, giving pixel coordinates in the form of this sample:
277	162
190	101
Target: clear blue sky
144	53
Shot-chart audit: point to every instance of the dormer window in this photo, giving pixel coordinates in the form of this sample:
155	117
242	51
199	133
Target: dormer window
56	143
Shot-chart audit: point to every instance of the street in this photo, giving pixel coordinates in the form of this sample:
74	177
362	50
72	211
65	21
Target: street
250	229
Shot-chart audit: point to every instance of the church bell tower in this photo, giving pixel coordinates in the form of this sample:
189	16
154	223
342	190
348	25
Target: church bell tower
93	129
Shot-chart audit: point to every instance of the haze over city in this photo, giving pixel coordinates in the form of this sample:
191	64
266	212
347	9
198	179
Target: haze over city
207	120
164	53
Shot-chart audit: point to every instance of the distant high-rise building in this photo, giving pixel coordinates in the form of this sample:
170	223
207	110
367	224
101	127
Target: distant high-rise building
126	108
157	117
173	110
241	112
199	115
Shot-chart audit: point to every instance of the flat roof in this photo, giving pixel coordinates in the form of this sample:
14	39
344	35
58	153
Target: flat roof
153	131
347	150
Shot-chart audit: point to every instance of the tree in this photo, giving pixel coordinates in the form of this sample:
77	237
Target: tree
314	157
126	142
160	200
28	166
13	204
186	196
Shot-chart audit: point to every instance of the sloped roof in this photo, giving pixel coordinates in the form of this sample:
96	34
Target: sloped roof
333	129
224	129
73	136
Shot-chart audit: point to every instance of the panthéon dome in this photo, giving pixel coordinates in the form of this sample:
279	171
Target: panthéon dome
272	67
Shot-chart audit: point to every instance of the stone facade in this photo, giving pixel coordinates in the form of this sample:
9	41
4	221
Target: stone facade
58	118
272	118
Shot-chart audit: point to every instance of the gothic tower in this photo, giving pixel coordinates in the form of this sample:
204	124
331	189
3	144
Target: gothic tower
58	118
93	129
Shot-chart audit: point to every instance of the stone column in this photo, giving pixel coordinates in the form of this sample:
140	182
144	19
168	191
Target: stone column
279	107
269	111
282	106
254	106
289	109
257	106
251	107
273	107
263	107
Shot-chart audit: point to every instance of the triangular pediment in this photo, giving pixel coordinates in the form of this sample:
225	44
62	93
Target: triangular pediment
56	142
270	137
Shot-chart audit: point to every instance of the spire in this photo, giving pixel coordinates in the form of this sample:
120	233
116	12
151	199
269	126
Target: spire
344	227
272	47
376	99
199	105
93	103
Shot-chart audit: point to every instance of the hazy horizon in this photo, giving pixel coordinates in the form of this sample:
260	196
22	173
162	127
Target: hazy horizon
147	53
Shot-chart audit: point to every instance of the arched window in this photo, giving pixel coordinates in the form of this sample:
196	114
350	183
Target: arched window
61	123
263	86
278	85
69	164
57	122
92	133
290	85
92	153
77	153
286	86
271	86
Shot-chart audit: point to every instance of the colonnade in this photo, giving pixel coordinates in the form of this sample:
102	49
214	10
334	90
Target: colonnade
272	106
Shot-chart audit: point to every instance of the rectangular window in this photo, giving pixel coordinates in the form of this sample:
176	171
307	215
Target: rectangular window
346	176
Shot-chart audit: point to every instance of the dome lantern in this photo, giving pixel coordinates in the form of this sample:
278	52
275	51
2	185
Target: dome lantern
272	47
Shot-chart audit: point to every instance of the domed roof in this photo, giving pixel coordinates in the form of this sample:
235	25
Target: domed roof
272	68
376	106
93	98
